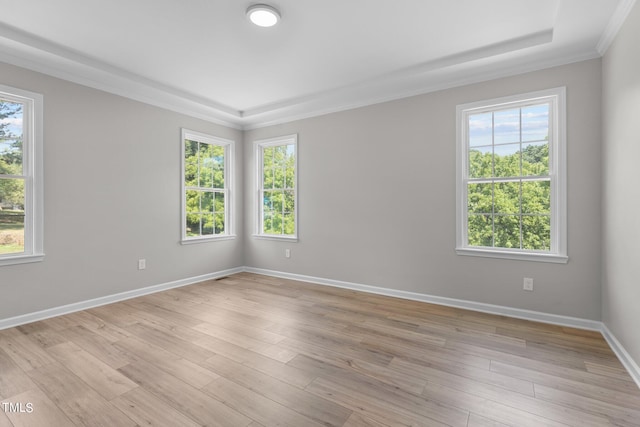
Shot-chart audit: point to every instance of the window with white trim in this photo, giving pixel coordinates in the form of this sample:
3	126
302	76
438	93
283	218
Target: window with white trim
206	187
511	177
277	174
21	195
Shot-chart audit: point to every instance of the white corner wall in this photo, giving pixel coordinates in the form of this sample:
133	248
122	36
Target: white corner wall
377	200
621	187
112	196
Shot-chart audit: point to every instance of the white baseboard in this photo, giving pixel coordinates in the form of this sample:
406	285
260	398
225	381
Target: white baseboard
96	302
625	358
536	316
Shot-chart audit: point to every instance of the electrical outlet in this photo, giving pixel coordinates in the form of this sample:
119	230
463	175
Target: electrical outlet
287	253
142	264
527	285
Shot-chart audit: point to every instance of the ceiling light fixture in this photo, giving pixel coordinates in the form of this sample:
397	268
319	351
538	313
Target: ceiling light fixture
263	15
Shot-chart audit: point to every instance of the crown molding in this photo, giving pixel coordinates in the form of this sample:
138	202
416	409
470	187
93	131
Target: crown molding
423	69
25	50
37	54
615	23
314	106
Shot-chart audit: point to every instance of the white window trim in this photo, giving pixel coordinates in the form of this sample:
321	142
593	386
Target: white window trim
271	142
229	162
557	172
33	171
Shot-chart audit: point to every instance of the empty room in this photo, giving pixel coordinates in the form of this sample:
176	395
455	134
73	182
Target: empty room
319	213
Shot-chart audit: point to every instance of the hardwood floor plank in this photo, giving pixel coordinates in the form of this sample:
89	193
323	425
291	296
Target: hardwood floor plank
478	421
554	364
13	380
256	406
360	352
279	353
379	392
398	348
238	339
534	408
616	414
79	402
170	342
617	372
97	374
580	383
4	420
143	408
312	407
493	410
464	375
42	334
183	369
24	352
95	344
380	411
198	406
357	420
86	320
289	374
407	382
155	314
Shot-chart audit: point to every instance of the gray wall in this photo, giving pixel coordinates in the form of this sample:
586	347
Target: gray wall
112	195
377	200
621	189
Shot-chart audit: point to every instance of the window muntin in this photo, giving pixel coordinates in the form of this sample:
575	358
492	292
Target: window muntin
511	177
21	220
206	187
277	187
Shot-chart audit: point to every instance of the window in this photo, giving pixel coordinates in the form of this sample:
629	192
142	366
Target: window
21	200
206	187
277	174
511	186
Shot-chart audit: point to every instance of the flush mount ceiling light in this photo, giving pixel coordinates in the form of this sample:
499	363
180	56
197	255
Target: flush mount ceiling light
263	15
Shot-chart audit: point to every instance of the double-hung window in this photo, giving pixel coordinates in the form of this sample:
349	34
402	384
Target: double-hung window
511	177
277	175
206	187
21	193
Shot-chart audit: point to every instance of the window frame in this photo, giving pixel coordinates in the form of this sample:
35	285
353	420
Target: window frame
259	146
229	188
32	173
557	175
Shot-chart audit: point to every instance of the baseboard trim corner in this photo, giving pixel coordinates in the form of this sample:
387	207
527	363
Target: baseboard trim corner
625	358
96	302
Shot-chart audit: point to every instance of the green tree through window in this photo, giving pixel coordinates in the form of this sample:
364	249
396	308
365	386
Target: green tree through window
277	187
509	177
206	186
12	190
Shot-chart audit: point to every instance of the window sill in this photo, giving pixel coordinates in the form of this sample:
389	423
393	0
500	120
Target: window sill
21	259
196	240
276	237
505	254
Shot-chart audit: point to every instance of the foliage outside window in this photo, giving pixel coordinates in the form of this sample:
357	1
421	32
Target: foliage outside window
277	187
206	187
511	186
21	219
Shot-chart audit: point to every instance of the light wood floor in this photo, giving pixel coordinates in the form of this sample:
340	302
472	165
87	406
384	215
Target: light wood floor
254	351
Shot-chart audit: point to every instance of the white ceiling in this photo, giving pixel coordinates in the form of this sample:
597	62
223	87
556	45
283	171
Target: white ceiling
204	57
